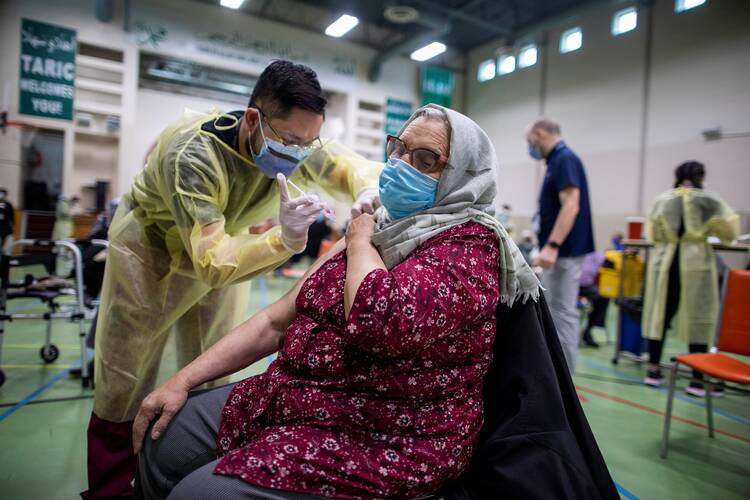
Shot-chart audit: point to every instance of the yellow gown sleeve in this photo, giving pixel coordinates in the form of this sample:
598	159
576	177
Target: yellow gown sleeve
339	171
725	223
197	188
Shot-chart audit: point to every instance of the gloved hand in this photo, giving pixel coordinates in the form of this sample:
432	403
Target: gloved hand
296	215
368	200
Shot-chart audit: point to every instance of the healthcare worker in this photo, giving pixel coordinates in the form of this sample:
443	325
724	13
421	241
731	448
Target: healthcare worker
63	228
681	277
180	243
7	217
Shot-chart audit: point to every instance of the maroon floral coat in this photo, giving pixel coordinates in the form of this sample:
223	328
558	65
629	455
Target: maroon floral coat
387	403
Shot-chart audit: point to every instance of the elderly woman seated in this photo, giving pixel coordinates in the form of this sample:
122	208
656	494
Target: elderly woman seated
377	390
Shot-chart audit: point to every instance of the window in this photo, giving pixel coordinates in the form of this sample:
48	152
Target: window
506	64
624	21
682	5
486	70
527	56
571	40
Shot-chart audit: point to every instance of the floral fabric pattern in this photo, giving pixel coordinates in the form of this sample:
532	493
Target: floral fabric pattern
386	402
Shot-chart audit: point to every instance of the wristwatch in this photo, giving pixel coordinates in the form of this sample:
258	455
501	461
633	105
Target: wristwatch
554	244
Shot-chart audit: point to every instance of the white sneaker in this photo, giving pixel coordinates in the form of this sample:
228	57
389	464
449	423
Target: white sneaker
697	390
653	378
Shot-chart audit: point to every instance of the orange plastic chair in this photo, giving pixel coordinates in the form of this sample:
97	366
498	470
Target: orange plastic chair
733	333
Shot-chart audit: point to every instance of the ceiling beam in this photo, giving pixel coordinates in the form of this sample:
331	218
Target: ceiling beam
437	28
104	10
557	18
268	14
460	15
264	8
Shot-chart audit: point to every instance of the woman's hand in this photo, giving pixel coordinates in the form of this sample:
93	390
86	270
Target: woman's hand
165	401
362	257
360	230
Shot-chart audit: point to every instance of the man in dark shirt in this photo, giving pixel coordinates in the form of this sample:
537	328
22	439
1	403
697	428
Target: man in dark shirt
6	217
565	232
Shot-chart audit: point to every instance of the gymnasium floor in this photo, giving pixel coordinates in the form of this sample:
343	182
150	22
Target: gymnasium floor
44	413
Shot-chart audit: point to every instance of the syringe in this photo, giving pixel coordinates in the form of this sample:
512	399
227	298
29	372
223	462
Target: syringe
328	212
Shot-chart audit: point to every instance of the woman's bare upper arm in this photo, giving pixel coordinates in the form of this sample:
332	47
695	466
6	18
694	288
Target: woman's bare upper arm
283	310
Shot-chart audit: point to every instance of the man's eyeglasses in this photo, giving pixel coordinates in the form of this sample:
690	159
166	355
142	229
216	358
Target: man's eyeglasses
305	149
420	158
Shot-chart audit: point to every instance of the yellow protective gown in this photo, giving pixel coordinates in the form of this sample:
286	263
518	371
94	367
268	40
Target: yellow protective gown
703	214
179	246
63	227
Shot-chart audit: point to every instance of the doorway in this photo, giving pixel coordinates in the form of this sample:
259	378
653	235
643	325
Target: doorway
42	153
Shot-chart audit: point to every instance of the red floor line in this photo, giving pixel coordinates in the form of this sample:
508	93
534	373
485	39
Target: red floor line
648	409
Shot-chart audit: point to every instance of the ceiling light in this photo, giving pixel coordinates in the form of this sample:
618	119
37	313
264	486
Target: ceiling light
341	26
232	4
428	51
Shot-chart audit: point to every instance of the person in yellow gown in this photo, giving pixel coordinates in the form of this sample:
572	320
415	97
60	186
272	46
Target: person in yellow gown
681	278
63	228
180	246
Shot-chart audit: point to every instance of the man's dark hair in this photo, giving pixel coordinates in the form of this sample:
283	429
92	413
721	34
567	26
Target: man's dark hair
694	171
284	85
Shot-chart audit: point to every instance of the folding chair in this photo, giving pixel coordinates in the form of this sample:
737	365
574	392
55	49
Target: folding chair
733	332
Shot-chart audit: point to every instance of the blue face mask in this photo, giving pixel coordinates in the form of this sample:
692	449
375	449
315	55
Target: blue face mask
535	152
274	157
404	190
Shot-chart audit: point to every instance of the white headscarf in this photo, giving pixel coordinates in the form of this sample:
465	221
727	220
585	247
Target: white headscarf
466	191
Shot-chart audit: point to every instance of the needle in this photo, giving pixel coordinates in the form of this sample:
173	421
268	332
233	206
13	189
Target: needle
327	211
289	181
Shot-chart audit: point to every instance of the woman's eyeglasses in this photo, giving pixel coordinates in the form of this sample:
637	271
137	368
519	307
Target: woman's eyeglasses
420	158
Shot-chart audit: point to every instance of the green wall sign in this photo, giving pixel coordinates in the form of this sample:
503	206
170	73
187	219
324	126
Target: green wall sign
437	86
396	114
48	70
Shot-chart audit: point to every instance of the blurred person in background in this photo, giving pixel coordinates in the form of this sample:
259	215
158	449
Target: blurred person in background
506	219
590	290
527	246
7	216
63	228
681	277
565	231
